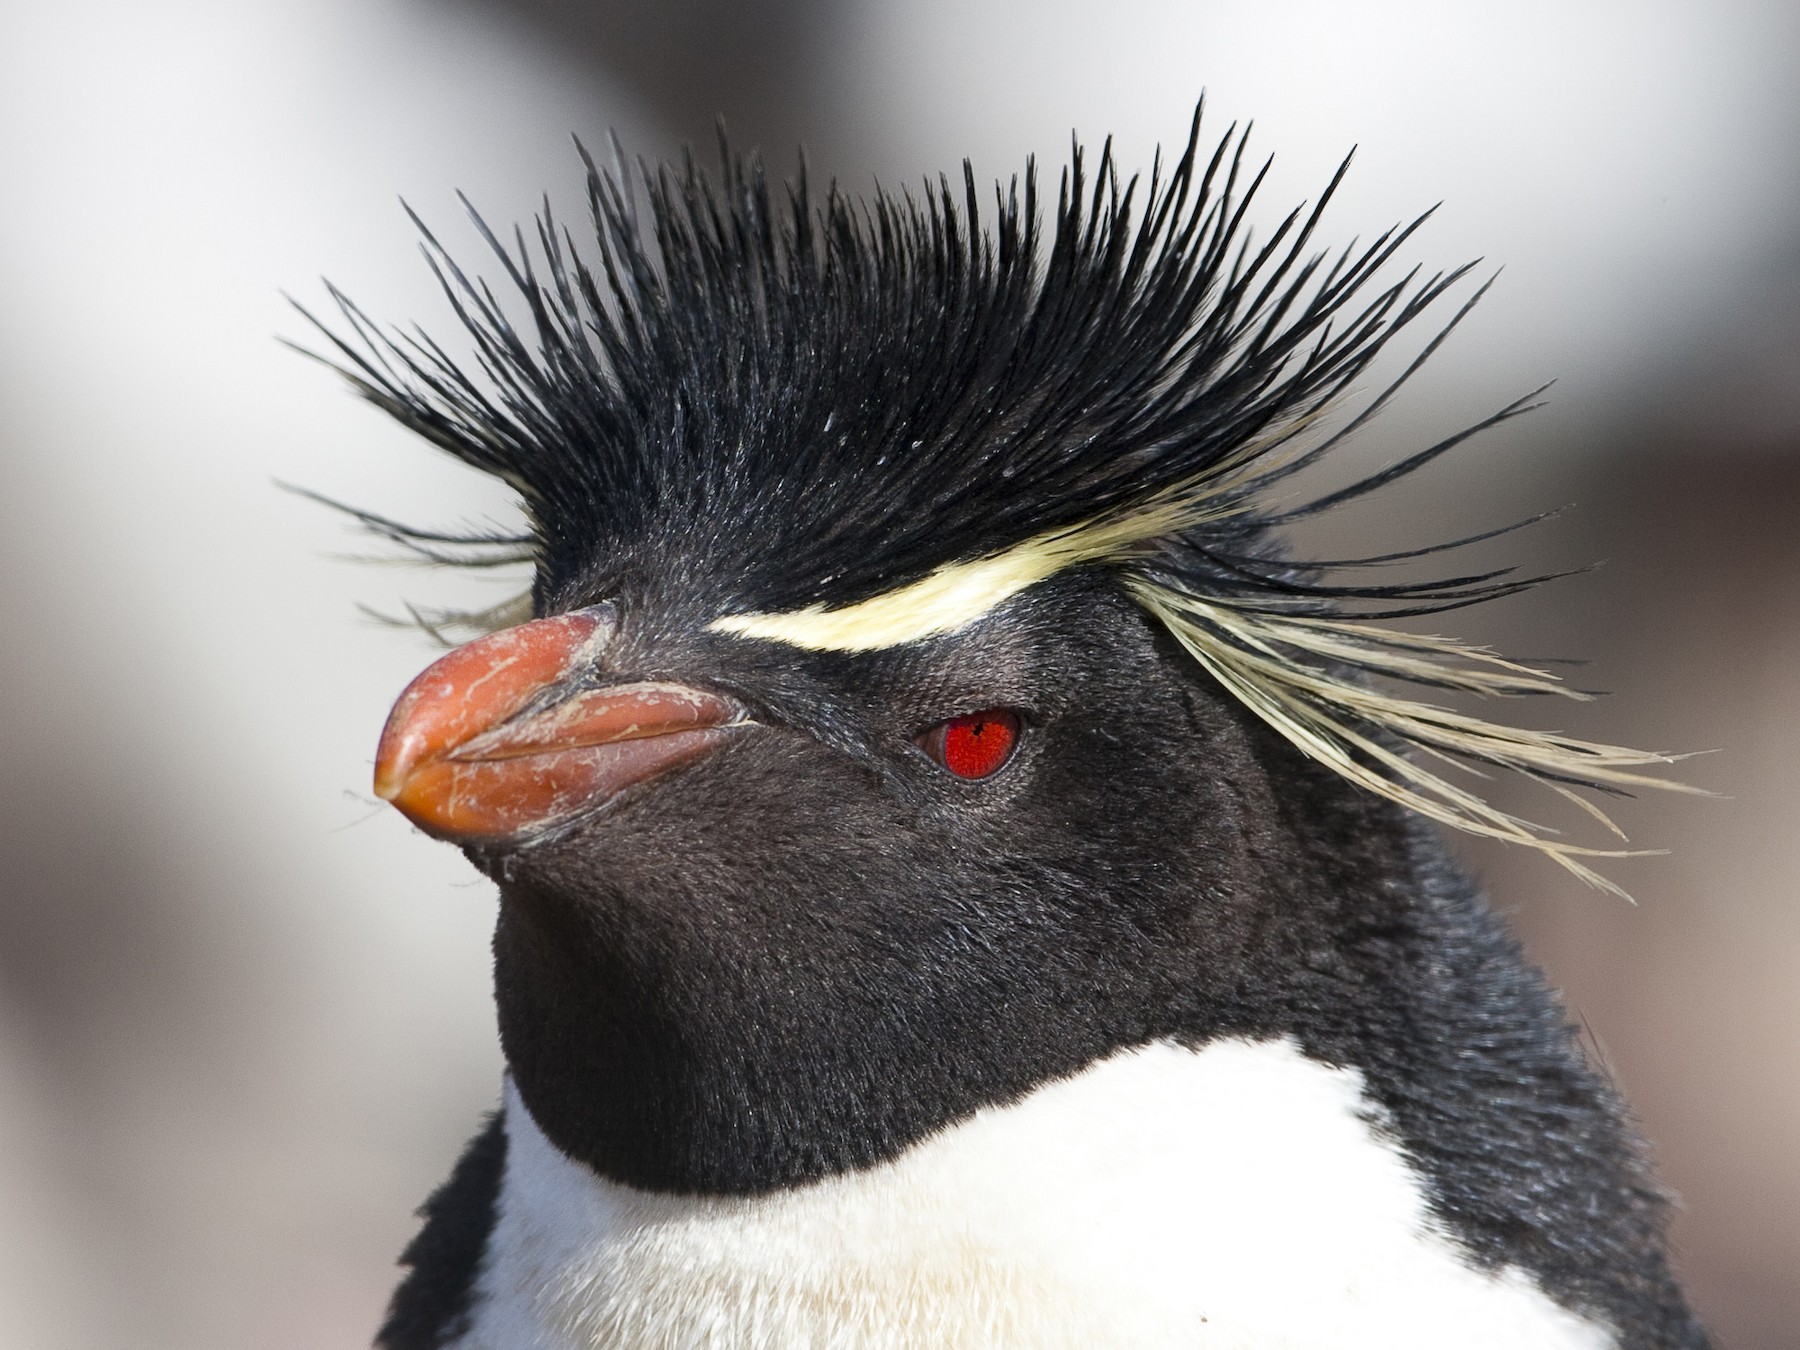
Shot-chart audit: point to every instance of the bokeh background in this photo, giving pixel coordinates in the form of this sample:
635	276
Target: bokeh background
244	1019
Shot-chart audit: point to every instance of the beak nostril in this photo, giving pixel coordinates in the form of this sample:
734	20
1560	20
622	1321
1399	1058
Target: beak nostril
604	616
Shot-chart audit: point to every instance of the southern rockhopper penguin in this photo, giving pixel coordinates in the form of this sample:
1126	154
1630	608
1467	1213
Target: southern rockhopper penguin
963	880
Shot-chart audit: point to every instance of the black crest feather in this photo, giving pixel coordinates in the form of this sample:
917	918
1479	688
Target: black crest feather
800	399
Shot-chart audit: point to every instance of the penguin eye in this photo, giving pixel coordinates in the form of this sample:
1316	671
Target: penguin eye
974	745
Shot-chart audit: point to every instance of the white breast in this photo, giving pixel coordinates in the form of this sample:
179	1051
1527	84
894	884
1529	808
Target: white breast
1236	1196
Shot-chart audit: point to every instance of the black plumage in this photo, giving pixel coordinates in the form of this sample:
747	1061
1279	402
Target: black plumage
812	948
798	401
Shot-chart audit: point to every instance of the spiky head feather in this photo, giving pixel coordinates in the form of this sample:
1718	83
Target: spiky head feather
852	424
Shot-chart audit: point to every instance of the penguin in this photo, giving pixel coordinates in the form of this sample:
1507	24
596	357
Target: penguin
963	879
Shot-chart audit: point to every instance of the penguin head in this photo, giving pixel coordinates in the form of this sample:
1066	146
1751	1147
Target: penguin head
917	700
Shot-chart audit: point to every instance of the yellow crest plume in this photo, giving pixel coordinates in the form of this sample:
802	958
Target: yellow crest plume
1305	675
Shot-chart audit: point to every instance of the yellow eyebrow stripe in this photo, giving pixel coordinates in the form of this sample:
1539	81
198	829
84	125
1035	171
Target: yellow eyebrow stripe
957	594
944	602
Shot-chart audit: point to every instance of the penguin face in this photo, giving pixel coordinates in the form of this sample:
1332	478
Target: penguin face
834	929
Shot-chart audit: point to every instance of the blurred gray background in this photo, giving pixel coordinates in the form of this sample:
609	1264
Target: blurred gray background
244	1018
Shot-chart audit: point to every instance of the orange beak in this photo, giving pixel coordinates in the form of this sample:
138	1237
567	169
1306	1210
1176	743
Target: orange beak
502	738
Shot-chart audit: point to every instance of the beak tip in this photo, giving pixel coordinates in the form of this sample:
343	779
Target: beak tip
395	762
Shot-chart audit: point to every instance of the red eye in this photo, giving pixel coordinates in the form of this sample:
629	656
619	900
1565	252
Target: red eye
975	744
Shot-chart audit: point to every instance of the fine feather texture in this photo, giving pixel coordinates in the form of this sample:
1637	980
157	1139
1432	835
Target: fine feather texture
849	425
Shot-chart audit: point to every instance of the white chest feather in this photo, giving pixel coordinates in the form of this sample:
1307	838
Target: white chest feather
1221	1199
